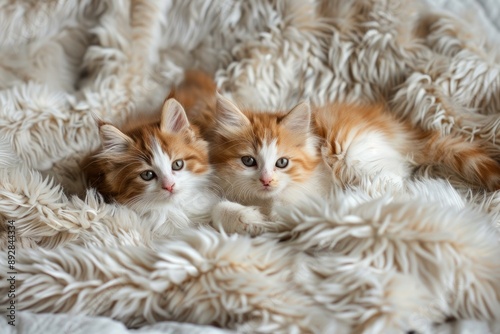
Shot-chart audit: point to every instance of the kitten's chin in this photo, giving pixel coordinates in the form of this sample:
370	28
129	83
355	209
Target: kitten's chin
163	198
267	193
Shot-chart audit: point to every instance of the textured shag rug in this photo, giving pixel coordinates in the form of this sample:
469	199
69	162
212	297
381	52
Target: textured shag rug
423	256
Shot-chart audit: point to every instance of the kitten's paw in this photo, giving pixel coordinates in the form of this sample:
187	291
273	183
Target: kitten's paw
237	218
251	221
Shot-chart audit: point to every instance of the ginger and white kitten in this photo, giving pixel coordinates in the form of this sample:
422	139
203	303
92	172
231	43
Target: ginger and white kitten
159	169
367	140
268	159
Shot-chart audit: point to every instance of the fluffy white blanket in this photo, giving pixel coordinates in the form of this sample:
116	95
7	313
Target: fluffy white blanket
375	259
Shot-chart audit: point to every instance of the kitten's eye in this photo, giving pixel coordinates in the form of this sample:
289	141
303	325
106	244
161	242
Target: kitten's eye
148	175
177	164
282	162
248	161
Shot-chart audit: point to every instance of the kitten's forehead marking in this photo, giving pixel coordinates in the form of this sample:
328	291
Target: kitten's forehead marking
269	154
160	159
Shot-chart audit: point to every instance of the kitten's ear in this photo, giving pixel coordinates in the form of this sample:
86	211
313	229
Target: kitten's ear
229	114
173	117
113	140
298	120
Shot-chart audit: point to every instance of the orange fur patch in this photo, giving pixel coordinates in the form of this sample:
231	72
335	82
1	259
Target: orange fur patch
197	95
339	124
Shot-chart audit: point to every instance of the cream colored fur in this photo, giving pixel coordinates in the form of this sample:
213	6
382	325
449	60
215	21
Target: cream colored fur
378	258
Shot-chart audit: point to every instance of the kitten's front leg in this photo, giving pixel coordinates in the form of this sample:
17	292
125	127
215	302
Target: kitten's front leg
236	218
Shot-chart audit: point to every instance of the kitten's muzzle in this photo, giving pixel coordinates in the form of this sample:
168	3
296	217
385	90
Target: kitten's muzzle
266	182
169	187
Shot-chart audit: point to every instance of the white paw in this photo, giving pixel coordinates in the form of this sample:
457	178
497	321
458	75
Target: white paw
250	221
237	218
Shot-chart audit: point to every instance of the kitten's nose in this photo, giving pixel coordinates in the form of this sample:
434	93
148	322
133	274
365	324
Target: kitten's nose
169	187
266	181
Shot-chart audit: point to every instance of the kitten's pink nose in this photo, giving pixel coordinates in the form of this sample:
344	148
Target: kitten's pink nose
266	181
169	187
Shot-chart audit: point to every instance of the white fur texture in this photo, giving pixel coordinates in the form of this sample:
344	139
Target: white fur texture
378	258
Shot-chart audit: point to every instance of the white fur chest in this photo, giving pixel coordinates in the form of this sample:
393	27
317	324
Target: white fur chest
368	154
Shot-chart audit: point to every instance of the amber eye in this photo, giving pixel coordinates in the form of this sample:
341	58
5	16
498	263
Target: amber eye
248	161
177	165
148	175
282	162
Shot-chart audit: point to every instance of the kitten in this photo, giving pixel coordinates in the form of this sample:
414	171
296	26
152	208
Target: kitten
367	140
159	169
